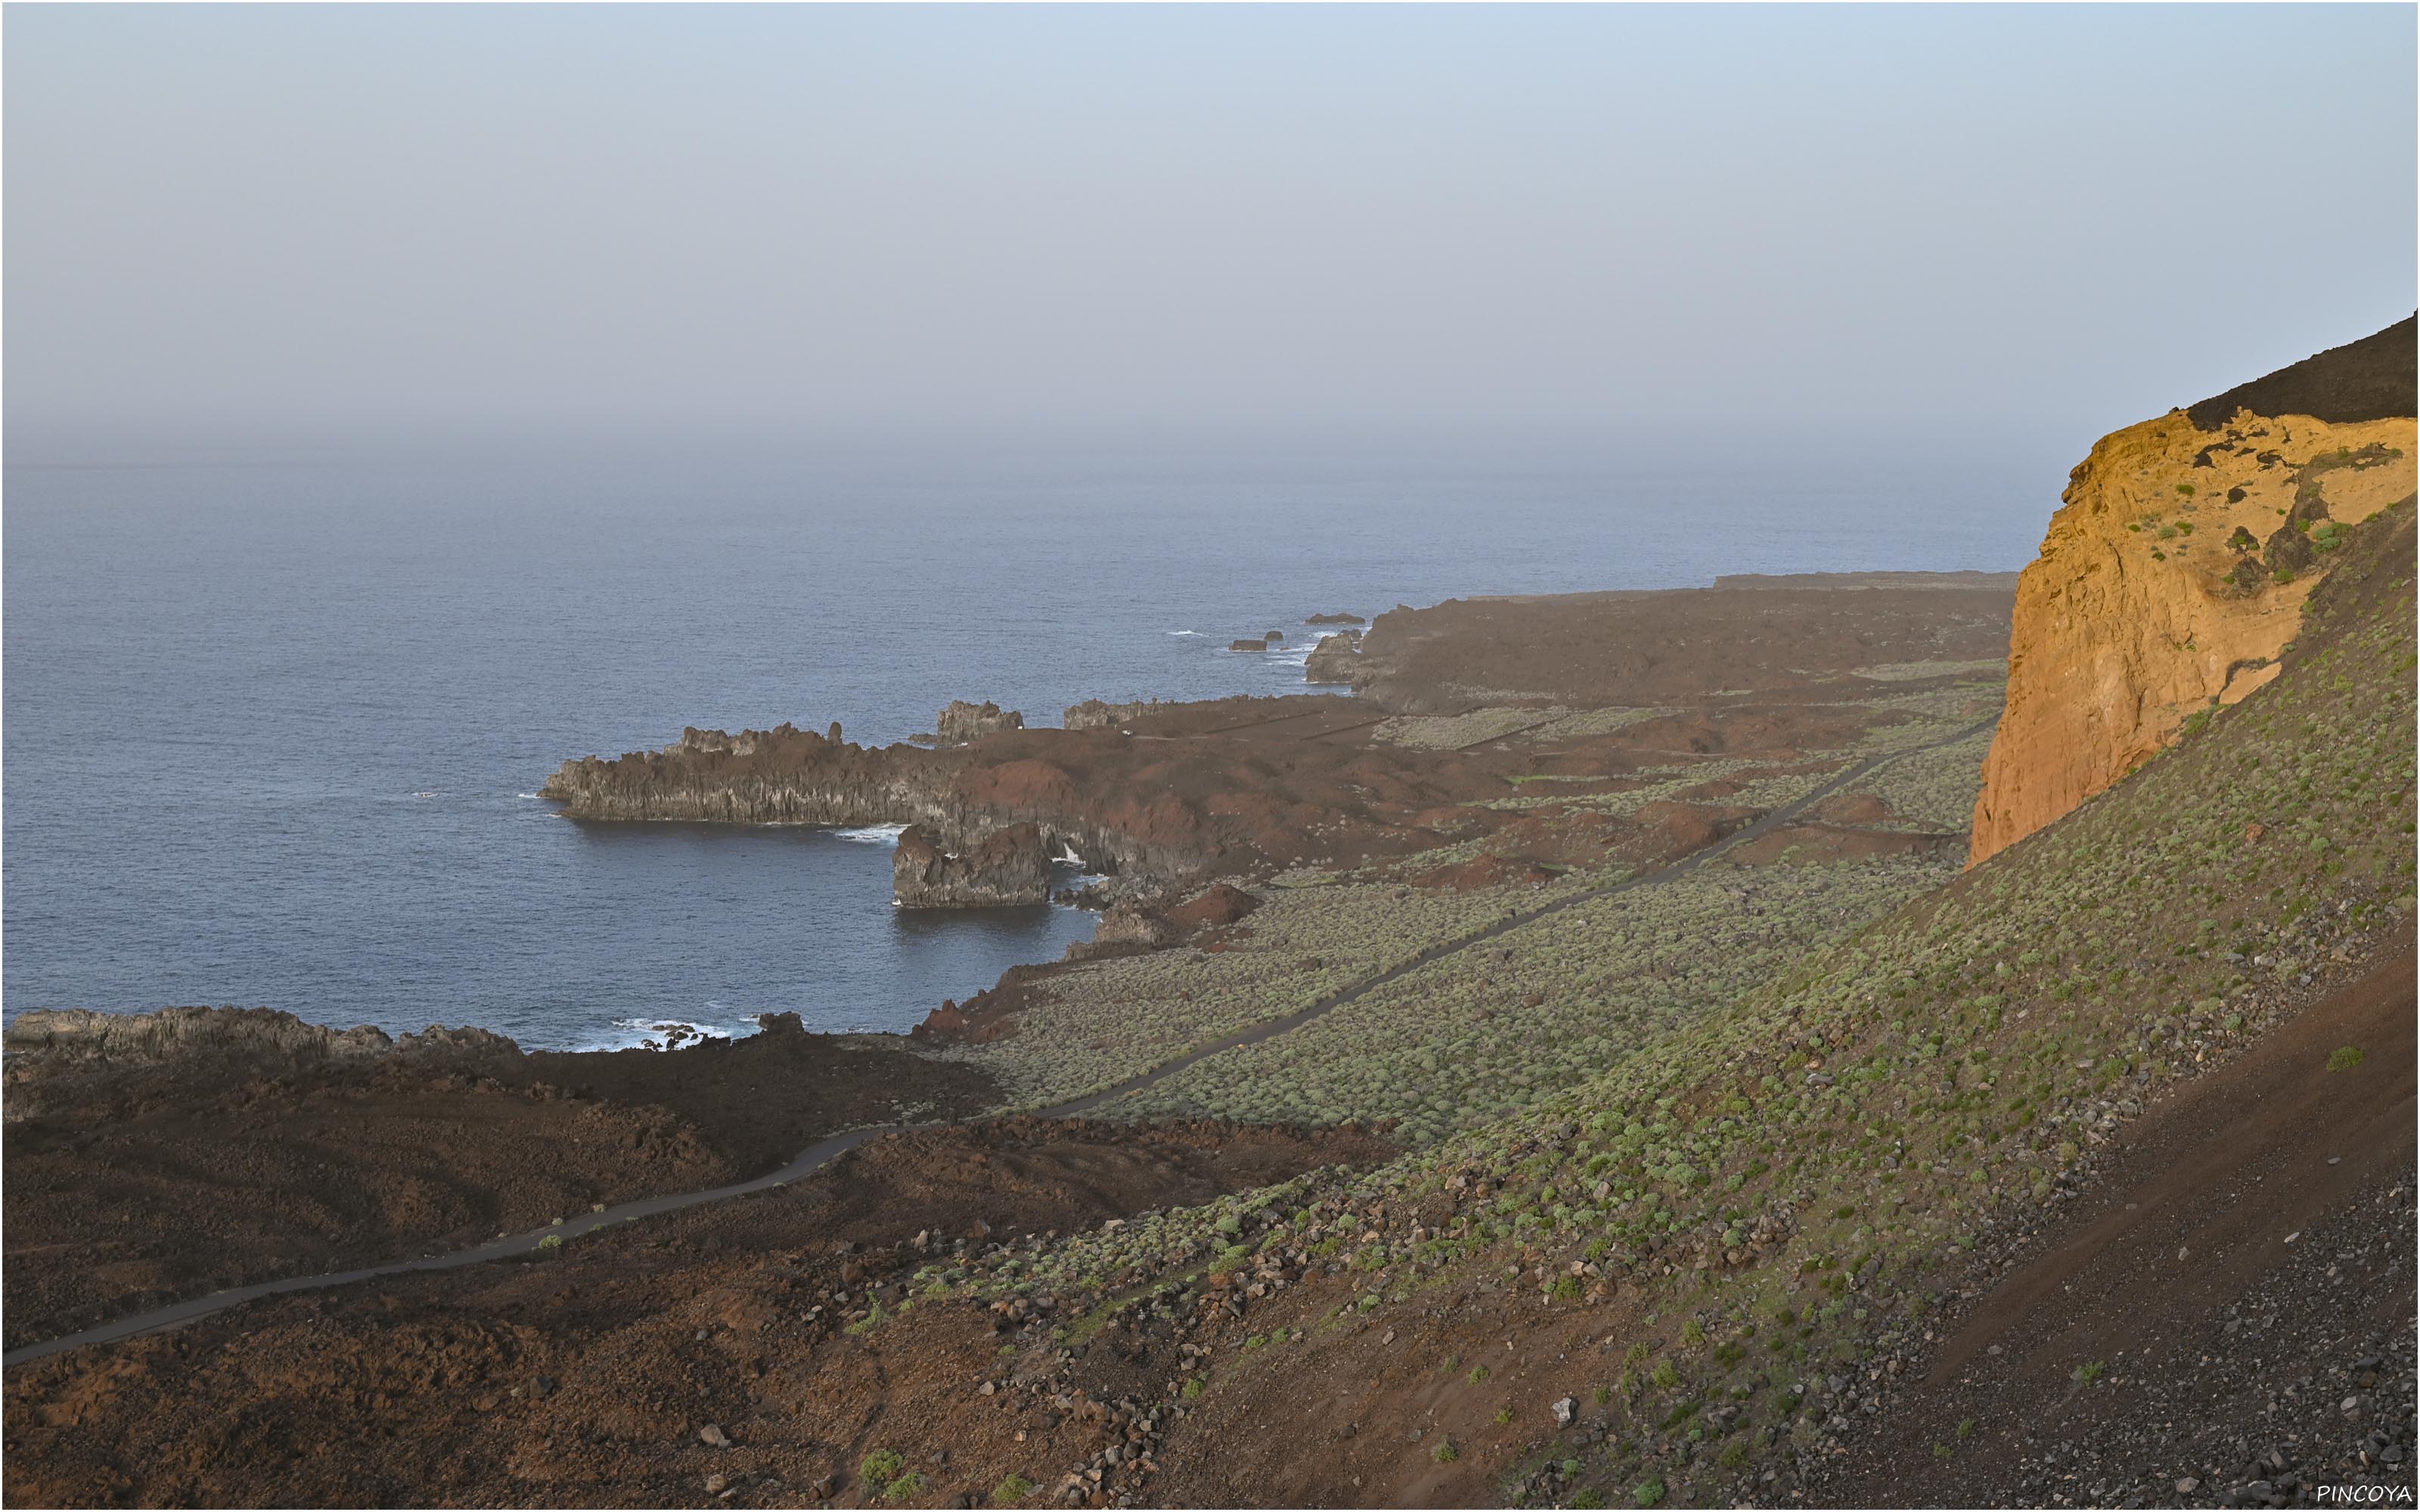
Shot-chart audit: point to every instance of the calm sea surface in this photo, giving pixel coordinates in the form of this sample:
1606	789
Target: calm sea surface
272	725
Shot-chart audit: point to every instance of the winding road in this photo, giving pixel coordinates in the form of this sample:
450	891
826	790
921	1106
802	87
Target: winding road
825	1150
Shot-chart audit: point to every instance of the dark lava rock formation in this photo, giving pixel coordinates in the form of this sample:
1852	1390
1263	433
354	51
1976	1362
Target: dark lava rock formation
1008	868
1332	660
1093	714
963	721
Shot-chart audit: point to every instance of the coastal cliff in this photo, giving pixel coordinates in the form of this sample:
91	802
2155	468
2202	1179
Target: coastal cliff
959	795
782	775
2177	569
1007	868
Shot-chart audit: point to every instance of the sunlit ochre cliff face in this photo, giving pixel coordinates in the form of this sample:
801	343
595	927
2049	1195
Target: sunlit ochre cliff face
2176	572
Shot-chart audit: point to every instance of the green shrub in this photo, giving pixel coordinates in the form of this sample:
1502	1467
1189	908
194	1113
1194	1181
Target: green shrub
1649	1493
1013	1490
2346	1058
1446	1454
880	1467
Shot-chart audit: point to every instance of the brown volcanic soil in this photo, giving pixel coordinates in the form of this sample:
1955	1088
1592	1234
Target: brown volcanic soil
1788	637
155	1182
587	1376
2244	1274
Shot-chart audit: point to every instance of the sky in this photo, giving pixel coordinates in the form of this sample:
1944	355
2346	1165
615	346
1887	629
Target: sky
1496	226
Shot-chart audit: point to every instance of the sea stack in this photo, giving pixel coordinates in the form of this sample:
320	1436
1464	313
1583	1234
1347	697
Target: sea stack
1007	868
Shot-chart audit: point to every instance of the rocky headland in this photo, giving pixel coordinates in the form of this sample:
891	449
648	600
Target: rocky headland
1798	637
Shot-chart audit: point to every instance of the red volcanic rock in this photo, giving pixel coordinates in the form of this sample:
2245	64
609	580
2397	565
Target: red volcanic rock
946	1023
1851	808
1166	823
1027	785
1668	831
1221	906
1008	867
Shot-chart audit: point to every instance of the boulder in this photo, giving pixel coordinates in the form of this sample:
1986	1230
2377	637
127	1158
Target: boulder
1248	645
1007	868
1336	619
1334	659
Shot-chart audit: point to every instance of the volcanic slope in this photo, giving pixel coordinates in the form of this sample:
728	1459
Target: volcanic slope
1709	1271
1722	1250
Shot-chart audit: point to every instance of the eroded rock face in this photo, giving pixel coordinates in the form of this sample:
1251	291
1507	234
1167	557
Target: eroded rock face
1007	868
963	721
782	775
2177	568
1093	714
1333	660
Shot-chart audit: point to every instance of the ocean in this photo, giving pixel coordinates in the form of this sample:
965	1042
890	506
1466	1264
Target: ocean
274	721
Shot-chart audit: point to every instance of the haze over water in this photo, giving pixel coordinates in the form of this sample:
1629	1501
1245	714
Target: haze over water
273	723
1819	286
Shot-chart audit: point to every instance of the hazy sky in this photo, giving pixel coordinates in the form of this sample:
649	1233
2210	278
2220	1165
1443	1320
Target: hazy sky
1455	223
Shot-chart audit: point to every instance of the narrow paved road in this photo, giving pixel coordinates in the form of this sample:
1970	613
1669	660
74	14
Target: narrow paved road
824	1150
